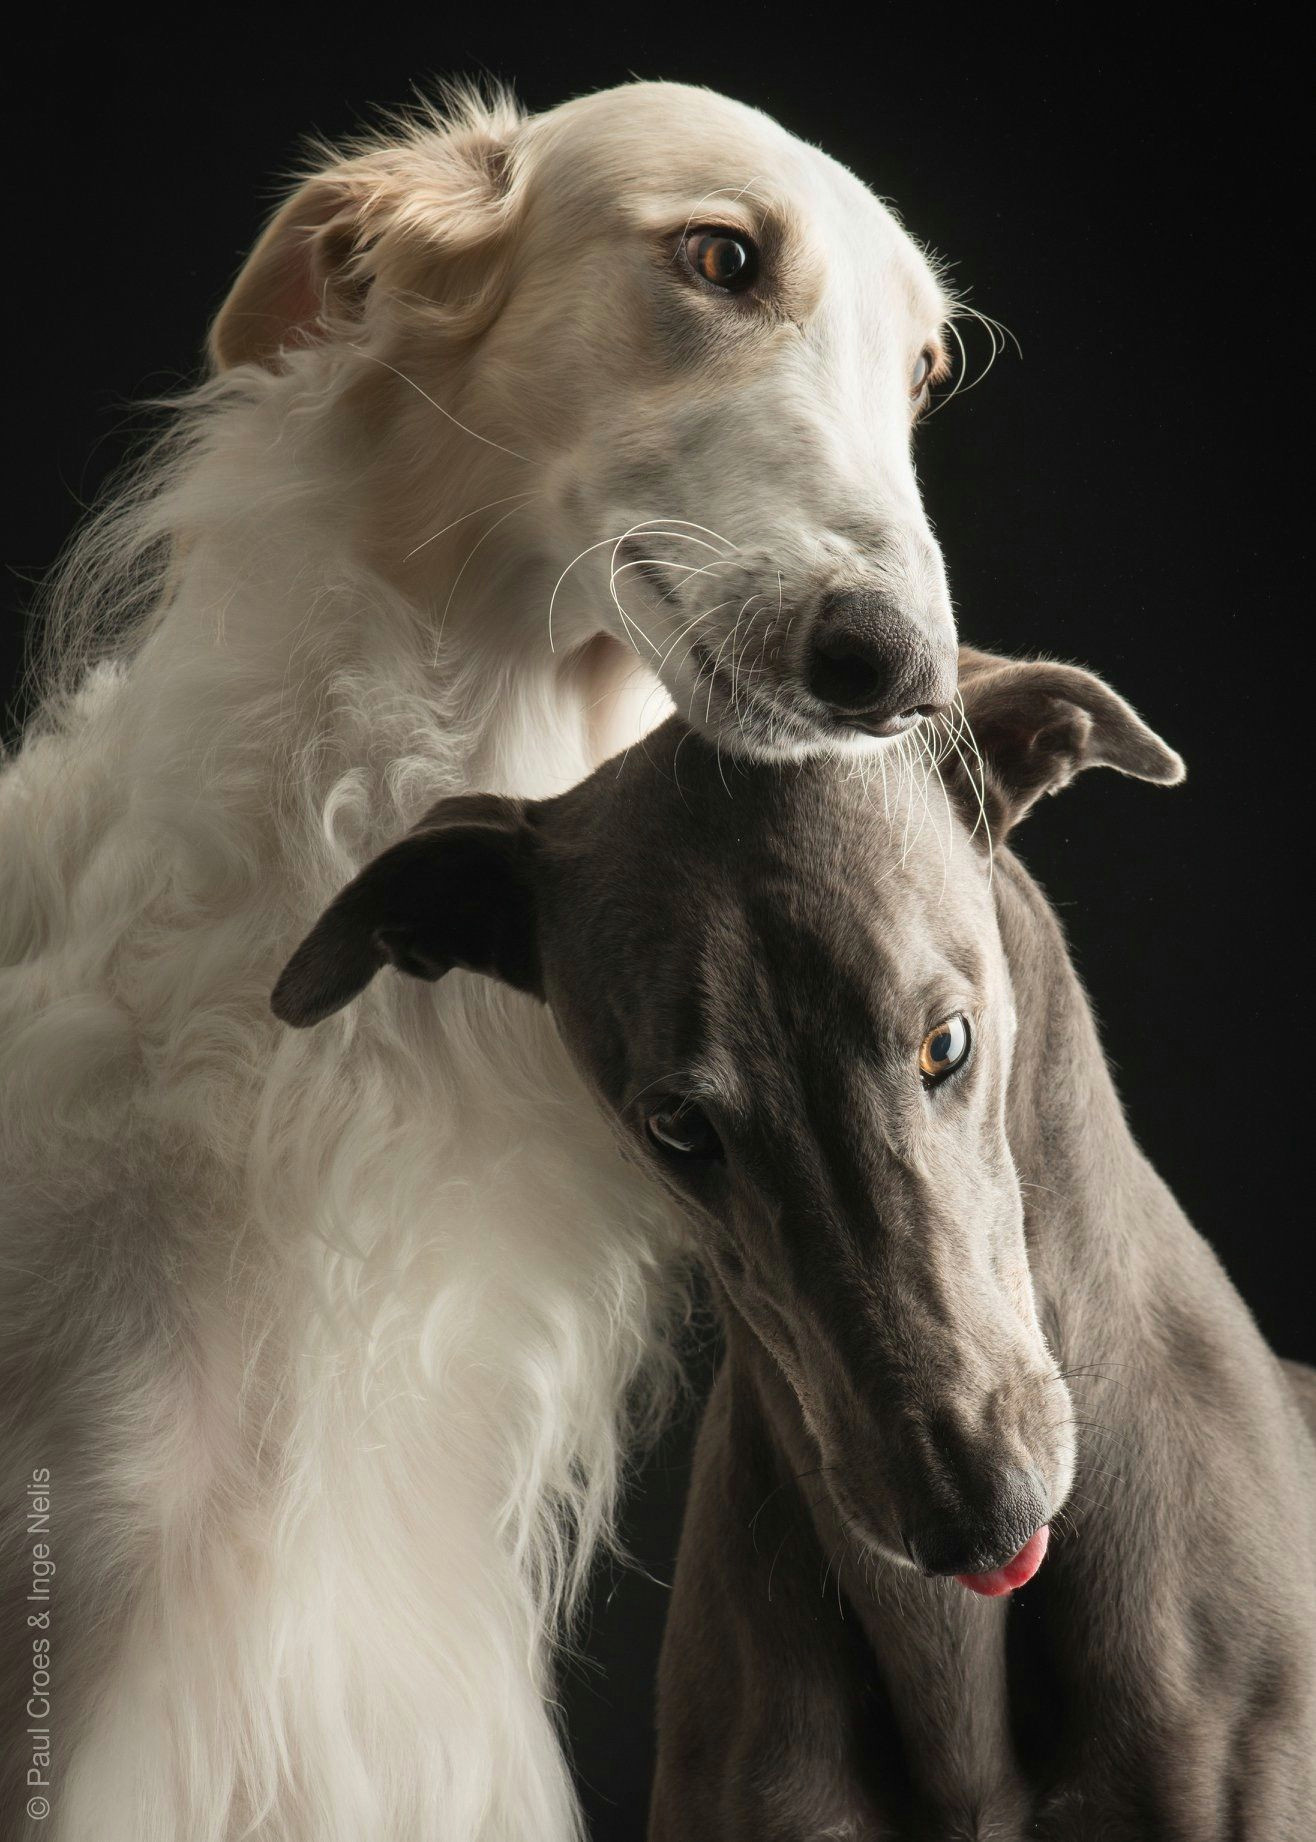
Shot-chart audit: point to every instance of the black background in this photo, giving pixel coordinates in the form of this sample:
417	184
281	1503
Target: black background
1112	497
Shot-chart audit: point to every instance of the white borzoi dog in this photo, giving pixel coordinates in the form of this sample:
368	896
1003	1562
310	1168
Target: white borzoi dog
321	1350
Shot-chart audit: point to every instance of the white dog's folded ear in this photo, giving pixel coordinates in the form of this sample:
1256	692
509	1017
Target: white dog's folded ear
1034	725
406	212
458	891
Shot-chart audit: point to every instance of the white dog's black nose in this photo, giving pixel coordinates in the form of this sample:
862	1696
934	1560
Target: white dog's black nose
873	667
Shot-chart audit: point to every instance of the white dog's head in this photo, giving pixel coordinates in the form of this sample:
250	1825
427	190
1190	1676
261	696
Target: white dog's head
686	350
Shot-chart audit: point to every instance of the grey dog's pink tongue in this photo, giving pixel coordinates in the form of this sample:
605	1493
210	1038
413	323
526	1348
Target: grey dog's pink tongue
1017	1572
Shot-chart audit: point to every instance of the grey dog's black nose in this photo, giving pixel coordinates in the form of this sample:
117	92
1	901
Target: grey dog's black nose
983	1532
871	665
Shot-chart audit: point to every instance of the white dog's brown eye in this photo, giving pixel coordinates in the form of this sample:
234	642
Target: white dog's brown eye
727	261
684	1128
944	1049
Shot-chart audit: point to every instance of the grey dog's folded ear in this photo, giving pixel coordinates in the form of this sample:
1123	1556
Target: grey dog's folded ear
1034	725
458	891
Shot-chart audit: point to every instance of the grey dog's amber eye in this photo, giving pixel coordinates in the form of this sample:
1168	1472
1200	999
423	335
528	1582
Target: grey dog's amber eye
727	261
686	1129
943	1049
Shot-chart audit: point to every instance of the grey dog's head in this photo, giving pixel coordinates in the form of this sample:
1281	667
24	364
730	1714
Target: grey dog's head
792	998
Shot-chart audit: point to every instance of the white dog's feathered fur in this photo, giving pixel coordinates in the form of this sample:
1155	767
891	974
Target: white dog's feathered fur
331	1343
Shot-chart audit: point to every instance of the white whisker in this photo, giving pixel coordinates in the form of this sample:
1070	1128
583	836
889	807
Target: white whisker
483	538
453	523
473	433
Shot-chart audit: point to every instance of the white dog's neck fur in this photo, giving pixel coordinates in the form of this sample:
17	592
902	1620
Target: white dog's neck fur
377	1427
333	1342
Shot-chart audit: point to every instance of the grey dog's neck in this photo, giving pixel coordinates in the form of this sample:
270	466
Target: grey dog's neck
1078	1164
1108	1244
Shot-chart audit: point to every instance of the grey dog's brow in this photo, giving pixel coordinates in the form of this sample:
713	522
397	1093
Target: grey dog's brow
713	1079
717	1078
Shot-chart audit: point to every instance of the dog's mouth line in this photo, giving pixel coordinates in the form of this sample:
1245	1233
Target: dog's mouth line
991	1583
811	720
801	721
708	662
712	677
877	730
996	1582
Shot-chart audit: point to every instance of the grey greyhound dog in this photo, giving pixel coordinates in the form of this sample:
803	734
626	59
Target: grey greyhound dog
960	1307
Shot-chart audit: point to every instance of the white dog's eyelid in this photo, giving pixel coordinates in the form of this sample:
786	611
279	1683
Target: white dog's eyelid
931	367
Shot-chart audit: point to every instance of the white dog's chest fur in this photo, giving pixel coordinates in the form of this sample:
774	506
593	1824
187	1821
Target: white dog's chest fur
343	1323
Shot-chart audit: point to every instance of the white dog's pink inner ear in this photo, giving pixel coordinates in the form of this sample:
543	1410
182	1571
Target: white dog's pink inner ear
393	211
283	291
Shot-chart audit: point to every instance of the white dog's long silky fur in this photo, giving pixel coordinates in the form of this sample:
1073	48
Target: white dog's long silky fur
330	1344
